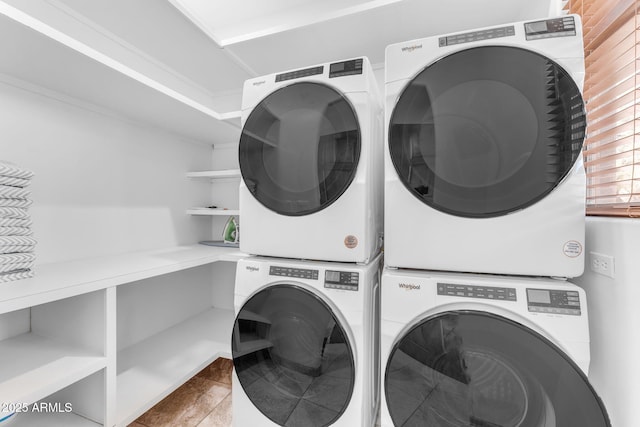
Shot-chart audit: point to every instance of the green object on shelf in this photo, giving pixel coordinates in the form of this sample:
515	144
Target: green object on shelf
231	233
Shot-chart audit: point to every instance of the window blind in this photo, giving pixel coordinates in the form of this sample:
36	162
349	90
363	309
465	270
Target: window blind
612	95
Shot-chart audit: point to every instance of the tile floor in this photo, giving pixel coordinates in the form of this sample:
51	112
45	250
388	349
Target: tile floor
203	401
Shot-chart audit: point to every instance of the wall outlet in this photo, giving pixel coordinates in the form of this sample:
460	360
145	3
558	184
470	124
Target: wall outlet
602	264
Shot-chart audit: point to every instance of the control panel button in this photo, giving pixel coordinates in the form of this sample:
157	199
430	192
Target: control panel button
553	301
291	75
345	68
557	27
300	273
345	280
480	292
473	36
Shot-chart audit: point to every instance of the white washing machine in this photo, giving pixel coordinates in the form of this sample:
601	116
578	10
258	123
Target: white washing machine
483	161
483	350
305	343
311	162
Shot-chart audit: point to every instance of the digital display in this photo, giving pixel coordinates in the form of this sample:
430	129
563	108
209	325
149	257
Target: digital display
332	276
539	296
557	27
537	27
345	68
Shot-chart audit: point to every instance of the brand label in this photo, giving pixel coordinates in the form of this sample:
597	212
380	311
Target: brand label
351	241
261	82
252	268
572	249
410	49
409	286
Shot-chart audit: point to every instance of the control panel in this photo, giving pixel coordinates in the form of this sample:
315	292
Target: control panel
345	280
299	73
300	273
474	36
557	27
553	301
345	68
482	292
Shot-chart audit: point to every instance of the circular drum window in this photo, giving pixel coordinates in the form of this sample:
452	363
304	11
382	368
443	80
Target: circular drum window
299	148
466	368
292	357
487	131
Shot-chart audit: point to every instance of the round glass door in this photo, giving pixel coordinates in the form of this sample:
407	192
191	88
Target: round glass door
466	368
292	357
299	148
487	131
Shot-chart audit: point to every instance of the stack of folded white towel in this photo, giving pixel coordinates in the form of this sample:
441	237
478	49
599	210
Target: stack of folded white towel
16	242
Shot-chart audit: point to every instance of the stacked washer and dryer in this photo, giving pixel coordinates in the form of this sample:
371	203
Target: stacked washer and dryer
305	339
484	222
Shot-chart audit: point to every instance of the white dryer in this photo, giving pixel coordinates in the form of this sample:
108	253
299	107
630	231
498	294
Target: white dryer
311	161
483	161
483	350
305	343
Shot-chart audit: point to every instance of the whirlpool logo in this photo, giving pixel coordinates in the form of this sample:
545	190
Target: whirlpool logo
258	83
252	268
410	49
409	286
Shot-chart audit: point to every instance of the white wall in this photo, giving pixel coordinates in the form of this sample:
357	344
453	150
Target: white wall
614	316
102	185
224	192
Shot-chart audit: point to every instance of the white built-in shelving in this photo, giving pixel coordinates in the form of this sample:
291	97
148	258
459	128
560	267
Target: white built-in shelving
32	367
72	334
149	370
60	336
213	212
43	419
66	279
229	174
221	174
63	56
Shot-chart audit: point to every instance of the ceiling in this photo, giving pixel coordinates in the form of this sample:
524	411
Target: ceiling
215	45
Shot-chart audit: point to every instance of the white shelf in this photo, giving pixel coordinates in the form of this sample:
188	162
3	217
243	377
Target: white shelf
40	419
65	62
150	370
32	367
66	279
230	173
213	212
